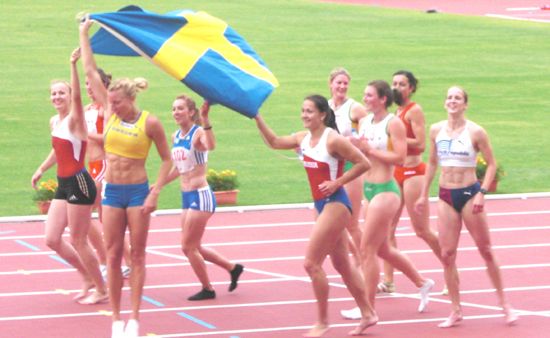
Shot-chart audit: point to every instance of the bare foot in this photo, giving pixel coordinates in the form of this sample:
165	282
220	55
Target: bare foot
510	315
365	323
94	298
317	331
88	284
454	318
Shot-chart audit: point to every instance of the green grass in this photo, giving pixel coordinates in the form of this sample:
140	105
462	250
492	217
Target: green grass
504	65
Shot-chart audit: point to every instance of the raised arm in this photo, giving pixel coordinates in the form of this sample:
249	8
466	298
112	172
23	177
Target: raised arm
77	122
90	67
206	140
274	141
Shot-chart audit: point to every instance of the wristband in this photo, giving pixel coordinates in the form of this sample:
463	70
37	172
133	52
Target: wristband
483	191
207	128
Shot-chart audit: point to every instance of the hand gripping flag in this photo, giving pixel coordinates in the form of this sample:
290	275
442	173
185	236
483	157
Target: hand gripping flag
196	48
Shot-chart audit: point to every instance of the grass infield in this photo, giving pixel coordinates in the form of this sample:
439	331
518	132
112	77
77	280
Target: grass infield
504	66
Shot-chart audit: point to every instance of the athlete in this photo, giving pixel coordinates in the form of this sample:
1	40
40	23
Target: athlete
127	201
191	143
324	152
410	175
454	145
76	191
382	140
348	112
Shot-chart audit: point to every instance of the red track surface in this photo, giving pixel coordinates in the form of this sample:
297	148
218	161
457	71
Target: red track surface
274	297
511	9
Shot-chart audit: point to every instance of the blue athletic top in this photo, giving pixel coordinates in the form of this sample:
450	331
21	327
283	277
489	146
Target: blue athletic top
184	155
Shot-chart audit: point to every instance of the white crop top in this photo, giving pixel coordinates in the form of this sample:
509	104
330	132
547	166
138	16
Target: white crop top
458	152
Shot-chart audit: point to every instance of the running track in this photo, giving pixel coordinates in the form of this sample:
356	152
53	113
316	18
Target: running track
529	10
274	297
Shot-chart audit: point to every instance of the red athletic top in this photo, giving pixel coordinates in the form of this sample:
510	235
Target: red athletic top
410	133
69	150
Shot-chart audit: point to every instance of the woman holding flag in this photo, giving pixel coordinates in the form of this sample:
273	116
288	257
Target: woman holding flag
127	200
73	200
324	152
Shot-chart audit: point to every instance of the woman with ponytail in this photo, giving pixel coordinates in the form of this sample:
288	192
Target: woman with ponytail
127	201
324	153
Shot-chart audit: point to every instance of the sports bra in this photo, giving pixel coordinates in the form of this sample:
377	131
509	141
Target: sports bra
377	133
127	139
457	152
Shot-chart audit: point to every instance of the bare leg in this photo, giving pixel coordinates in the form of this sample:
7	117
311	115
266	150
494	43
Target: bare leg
114	221
55	226
479	230
138	224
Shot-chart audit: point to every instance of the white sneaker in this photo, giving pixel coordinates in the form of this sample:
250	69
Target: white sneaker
125	270
354	313
117	329
425	294
132	329
103	269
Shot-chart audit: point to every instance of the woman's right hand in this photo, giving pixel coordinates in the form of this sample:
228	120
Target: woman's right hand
85	24
35	178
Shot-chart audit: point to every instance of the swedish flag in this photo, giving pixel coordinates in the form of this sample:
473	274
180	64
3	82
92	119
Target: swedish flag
196	48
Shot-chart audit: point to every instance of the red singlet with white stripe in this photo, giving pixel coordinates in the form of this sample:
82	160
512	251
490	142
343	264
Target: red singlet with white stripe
69	150
319	164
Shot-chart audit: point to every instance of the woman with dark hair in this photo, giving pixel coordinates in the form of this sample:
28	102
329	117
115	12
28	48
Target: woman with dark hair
324	152
382	140
454	145
410	175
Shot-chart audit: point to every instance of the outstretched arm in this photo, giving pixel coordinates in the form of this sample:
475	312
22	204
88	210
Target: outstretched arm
273	140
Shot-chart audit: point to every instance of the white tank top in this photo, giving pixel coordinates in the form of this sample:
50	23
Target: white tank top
346	126
458	152
377	133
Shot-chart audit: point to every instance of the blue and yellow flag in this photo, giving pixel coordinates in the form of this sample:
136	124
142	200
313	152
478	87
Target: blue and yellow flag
196	48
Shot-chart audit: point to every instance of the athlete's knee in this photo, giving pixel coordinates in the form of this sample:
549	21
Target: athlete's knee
189	249
53	242
448	256
312	267
486	253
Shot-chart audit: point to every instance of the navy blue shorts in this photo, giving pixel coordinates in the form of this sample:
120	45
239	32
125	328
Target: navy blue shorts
339	196
457	198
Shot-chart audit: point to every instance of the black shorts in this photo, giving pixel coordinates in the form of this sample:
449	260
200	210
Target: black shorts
77	189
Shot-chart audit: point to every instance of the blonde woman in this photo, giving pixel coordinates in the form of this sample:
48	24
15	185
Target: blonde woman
76	193
348	113
127	200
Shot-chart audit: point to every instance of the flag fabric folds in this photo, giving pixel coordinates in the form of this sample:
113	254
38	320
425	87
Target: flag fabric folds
196	48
